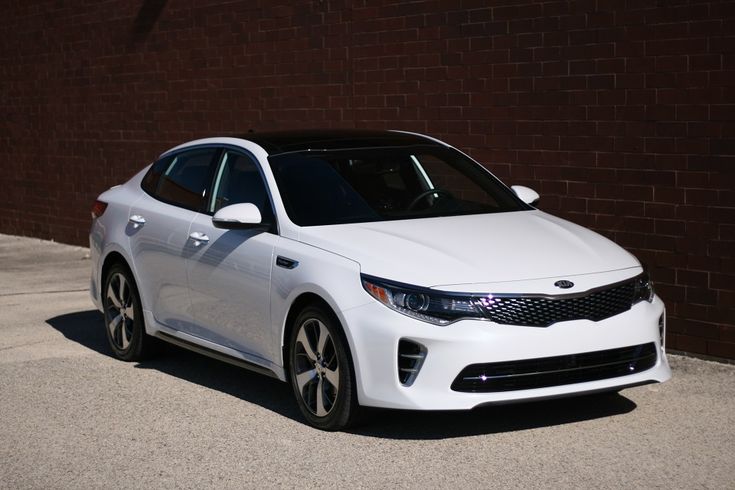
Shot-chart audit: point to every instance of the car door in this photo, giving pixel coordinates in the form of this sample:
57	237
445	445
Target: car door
230	273
175	189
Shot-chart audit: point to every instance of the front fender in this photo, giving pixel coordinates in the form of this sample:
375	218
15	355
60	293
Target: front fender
331	277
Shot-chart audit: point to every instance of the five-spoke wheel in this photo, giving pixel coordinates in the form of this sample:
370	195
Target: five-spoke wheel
119	311
124	316
321	370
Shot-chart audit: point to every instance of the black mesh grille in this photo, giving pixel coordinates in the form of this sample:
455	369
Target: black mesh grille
555	371
543	311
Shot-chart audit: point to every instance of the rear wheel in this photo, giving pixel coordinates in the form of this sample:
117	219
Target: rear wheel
124	322
321	371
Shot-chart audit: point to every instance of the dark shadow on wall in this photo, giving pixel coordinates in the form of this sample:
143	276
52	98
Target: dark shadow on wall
87	328
147	16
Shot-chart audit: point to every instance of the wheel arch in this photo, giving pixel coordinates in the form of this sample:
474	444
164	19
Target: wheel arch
302	301
111	258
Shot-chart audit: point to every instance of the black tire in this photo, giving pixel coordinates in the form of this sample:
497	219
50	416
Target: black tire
125	333
337	409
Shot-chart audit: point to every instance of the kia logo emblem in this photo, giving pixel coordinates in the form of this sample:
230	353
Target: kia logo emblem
564	284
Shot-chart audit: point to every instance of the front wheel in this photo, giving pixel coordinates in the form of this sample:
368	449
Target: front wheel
321	371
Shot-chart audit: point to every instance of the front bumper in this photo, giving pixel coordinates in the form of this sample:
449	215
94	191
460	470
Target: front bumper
375	331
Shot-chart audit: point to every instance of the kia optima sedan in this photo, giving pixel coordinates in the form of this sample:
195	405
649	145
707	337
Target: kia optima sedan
369	269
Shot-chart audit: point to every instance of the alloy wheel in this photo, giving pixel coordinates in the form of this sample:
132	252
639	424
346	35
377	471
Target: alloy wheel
119	311
316	367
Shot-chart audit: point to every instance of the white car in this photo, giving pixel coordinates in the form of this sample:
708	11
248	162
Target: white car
369	269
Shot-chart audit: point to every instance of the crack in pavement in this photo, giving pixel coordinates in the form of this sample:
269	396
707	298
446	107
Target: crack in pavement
23	345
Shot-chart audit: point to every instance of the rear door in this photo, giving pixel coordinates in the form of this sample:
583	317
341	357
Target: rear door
159	232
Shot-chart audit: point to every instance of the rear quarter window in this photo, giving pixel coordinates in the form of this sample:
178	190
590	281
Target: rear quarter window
150	181
181	179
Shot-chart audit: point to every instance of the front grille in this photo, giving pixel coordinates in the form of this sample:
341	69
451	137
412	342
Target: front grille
542	311
555	371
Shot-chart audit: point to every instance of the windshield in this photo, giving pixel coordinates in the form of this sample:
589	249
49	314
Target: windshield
377	184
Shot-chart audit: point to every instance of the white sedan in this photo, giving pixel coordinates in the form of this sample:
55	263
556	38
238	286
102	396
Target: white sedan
368	269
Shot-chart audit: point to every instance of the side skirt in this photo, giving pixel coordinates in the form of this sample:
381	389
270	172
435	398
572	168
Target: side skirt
214	354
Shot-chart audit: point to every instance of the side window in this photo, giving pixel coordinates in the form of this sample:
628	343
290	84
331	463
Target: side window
150	181
238	180
184	179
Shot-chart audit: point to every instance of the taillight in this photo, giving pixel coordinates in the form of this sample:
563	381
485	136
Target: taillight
98	208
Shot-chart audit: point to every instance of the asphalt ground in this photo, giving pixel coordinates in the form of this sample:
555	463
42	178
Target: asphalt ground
71	416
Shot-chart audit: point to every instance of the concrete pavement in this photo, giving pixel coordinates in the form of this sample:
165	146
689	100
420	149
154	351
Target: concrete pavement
74	417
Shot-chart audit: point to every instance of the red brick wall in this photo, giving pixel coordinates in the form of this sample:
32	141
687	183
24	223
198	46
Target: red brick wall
620	113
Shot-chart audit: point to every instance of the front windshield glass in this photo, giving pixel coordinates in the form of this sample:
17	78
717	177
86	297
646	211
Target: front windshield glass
378	184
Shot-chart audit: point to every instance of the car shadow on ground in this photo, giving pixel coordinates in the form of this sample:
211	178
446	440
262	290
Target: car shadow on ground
406	424
87	328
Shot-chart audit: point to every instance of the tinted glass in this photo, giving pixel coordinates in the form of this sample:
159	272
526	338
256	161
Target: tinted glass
386	184
150	181
186	178
238	180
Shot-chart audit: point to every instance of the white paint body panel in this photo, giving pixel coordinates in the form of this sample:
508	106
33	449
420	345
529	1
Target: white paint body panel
159	248
228	295
230	285
432	252
377	330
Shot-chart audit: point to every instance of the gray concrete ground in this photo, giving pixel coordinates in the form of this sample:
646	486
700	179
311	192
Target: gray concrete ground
71	416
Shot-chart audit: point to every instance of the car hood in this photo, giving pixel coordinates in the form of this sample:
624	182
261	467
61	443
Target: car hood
474	249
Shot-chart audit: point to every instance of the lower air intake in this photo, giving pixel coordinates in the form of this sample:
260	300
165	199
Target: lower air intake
554	371
410	358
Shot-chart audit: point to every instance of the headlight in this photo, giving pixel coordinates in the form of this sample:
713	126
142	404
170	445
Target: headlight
421	303
443	308
643	288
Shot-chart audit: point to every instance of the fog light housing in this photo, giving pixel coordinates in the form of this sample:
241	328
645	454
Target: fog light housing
411	357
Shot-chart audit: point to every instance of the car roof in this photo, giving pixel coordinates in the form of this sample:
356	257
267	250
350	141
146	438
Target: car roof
278	142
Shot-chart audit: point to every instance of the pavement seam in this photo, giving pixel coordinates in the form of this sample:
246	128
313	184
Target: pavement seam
44	292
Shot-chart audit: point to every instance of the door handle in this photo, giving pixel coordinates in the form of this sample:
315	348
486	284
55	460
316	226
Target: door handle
286	263
198	238
137	220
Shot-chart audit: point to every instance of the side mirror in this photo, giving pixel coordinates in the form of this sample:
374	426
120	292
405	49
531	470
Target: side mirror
237	216
526	194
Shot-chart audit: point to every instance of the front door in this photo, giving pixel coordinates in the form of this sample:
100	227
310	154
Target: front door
230	273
